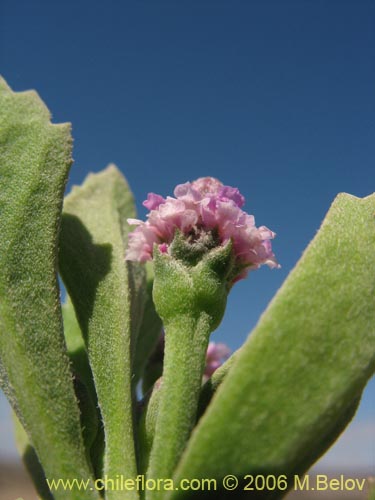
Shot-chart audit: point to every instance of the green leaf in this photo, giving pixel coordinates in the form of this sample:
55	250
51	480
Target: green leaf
149	334
84	384
30	460
296	382
35	157
75	344
101	286
213	383
371	487
146	426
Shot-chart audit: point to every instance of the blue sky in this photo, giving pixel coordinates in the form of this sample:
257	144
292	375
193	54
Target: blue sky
275	97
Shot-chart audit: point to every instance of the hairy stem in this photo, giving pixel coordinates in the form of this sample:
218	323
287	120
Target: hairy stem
186	341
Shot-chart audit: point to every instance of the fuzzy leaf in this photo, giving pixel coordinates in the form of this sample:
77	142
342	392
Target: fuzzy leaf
100	284
35	157
84	384
149	334
146	427
30	460
296	382
76	345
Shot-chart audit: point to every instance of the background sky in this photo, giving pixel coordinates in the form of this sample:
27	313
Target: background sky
274	97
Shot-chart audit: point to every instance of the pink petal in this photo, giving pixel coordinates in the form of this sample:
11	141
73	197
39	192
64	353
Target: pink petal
230	193
207	185
153	201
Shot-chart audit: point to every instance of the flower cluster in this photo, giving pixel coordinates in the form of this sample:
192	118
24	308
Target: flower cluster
216	354
204	211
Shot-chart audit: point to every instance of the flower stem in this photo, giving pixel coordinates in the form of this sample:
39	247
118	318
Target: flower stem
186	341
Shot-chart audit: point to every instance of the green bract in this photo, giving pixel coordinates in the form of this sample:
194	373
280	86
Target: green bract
182	288
71	373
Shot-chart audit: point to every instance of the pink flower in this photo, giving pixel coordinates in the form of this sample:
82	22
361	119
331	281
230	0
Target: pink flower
215	357
198	208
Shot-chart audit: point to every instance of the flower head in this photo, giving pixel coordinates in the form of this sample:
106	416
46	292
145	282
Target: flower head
207	214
